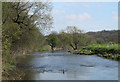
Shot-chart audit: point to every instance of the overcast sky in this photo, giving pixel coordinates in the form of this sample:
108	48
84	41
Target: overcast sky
87	16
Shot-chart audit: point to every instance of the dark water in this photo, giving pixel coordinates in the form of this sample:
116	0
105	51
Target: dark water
66	66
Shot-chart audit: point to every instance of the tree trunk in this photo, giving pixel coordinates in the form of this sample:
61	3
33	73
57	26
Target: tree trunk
73	47
52	48
76	47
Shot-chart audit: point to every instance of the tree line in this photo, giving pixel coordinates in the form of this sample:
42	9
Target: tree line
71	38
74	38
22	23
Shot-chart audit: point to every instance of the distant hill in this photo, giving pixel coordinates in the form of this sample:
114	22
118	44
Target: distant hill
106	36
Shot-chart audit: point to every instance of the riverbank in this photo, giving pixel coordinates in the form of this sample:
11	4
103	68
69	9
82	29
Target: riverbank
41	64
10	62
106	51
10	70
12	73
50	66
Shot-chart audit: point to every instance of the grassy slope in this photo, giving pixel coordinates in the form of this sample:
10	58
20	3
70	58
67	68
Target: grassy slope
110	51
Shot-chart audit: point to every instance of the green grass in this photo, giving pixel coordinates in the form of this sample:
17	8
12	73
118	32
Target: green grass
104	48
10	64
109	51
44	49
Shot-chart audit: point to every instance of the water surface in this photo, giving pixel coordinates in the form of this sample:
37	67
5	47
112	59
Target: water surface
66	66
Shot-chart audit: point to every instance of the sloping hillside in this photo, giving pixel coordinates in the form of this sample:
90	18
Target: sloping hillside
106	36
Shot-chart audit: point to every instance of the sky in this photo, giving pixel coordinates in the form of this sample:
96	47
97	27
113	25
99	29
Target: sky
87	16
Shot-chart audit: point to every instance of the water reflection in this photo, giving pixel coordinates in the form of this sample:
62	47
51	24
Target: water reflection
66	66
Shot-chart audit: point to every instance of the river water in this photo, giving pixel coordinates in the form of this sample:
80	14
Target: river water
66	66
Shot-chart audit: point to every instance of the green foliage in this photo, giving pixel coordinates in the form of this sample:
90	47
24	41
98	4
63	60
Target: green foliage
72	37
108	51
52	40
63	39
105	37
100	41
76	37
44	49
22	24
10	64
21	30
103	47
86	52
111	51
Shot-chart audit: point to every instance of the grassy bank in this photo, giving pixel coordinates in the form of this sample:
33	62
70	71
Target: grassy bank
109	51
10	70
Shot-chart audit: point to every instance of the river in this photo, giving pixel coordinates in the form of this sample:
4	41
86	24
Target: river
67	66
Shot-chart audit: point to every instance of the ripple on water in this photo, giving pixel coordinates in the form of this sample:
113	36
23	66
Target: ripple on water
74	66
